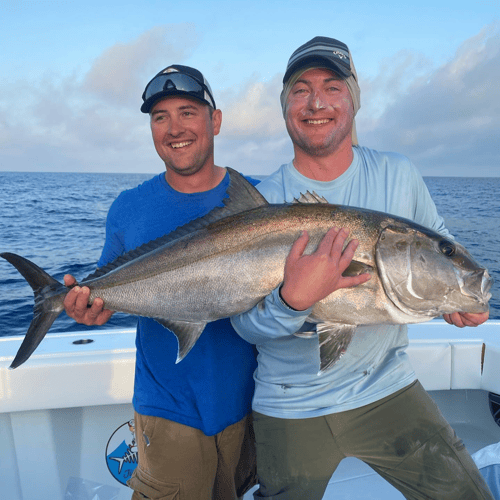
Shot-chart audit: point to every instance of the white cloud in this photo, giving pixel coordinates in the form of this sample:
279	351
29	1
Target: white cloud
447	120
254	111
253	137
118	75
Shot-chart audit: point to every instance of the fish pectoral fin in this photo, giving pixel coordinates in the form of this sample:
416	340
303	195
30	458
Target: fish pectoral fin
307	331
187	333
334	339
356	268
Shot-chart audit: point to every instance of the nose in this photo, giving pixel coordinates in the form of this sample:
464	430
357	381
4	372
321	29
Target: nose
317	101
175	127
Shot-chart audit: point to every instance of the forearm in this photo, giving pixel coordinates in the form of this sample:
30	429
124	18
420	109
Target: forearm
269	320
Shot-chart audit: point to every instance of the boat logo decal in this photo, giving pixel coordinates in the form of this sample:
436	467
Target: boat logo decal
121	452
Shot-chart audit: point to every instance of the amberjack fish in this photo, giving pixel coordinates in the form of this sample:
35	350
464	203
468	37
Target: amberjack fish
226	262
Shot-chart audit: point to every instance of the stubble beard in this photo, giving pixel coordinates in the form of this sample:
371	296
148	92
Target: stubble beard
320	149
197	164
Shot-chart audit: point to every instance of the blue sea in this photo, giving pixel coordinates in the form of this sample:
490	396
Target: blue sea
57	220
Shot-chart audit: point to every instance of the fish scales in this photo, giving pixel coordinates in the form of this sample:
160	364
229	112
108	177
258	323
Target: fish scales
243	258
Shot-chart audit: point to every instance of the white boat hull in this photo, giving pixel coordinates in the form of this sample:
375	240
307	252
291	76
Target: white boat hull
64	414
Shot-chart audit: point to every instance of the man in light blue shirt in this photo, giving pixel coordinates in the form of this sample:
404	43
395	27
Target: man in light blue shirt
369	404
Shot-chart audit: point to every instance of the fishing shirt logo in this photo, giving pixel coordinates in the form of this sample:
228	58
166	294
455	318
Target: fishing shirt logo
121	452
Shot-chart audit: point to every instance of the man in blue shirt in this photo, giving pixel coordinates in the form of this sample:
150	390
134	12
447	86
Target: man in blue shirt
191	418
369	404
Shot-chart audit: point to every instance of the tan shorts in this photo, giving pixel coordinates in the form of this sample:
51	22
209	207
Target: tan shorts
403	437
177	462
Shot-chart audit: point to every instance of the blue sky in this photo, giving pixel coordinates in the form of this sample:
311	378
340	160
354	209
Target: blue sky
72	75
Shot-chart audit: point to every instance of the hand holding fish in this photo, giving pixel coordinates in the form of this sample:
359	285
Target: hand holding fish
466	319
310	278
76	305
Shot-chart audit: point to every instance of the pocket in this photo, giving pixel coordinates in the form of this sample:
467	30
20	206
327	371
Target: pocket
151	489
148	424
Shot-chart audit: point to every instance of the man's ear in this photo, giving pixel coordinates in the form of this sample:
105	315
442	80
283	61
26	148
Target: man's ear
217	120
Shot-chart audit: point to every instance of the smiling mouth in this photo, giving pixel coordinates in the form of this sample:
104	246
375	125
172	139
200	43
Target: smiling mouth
178	145
318	122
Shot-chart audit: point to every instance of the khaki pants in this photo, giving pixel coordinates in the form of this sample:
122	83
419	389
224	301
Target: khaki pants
403	437
177	462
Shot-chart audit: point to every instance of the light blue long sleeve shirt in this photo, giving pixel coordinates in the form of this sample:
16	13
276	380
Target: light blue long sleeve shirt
376	364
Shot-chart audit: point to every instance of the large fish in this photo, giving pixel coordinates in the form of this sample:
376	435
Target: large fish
226	262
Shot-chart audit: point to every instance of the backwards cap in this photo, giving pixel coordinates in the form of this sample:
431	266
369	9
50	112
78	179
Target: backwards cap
177	80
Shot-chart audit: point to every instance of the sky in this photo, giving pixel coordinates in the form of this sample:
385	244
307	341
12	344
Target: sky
72	74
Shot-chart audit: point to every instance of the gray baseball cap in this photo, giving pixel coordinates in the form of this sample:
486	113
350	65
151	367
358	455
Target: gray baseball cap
321	52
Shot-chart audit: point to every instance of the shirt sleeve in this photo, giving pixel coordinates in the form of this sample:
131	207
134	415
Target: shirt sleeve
270	319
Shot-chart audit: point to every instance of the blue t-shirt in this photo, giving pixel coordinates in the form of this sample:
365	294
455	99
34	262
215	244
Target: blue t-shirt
376	363
212	387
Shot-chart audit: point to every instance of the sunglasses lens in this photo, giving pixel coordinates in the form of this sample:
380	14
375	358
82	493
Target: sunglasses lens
175	81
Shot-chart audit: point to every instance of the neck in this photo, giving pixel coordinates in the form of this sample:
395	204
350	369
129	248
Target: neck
201	181
323	168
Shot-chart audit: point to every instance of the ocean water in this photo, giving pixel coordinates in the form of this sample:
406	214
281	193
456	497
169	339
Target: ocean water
57	220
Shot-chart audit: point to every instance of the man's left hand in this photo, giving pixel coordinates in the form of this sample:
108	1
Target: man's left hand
466	319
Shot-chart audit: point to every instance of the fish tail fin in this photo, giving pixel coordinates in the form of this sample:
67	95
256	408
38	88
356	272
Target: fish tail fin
49	296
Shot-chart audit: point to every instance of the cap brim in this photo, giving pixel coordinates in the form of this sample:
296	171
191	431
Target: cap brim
148	105
318	61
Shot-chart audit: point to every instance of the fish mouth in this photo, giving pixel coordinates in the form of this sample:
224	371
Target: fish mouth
476	284
486	284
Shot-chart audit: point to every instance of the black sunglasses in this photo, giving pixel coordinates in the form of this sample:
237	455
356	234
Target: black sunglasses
177	82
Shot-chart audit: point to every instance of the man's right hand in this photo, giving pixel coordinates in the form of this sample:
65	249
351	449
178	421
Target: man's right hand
76	305
310	278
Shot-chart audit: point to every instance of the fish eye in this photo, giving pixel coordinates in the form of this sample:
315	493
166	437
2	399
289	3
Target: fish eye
447	247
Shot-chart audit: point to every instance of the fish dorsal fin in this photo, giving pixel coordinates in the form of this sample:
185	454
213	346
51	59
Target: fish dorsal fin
241	195
310	198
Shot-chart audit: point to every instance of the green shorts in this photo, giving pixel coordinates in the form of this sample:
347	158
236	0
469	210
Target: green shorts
403	437
180	462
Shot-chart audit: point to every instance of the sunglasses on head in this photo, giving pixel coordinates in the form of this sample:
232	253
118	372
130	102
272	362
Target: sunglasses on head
177	82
